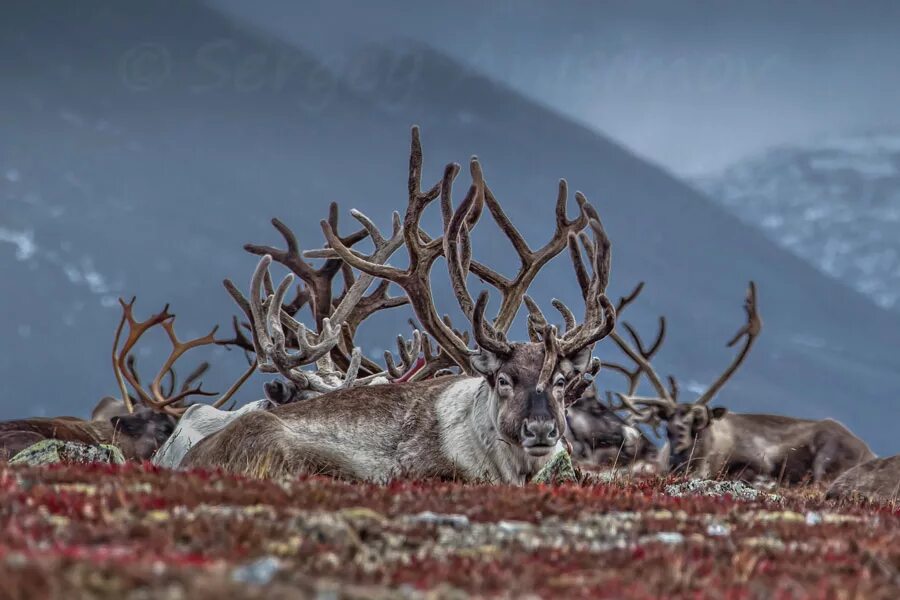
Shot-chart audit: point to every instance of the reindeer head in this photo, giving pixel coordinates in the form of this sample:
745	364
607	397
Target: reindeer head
146	428
686	422
528	397
600	435
280	392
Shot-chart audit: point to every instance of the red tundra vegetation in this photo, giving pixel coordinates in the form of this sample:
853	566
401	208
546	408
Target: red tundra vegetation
137	531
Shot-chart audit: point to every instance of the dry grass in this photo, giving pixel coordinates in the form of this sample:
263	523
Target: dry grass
137	531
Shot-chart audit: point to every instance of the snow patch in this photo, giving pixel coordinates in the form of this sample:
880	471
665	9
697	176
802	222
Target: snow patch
22	240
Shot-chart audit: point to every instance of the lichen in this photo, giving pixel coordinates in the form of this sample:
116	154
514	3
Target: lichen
559	469
49	452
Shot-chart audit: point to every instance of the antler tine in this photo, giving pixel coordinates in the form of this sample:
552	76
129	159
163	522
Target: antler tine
750	331
599	313
567	315
673	387
639	343
239	339
136	329
531	261
178	349
261	339
317	280
353	368
423	251
194	375
536	319
457	244
624	301
408	351
433	363
486	336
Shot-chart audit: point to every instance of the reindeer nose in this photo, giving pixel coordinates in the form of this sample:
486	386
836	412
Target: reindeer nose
539	432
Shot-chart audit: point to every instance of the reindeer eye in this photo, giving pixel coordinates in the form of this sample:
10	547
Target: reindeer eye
560	380
503	381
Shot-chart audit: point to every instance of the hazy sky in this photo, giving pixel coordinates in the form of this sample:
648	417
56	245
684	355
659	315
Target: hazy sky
691	85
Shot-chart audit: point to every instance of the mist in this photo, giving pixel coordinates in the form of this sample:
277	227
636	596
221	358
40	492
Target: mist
693	86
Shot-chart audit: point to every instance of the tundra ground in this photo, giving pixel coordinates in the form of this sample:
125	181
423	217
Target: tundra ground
101	531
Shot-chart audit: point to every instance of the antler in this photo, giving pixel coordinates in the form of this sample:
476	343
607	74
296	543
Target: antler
352	307
599	313
318	281
409	352
124	366
750	331
668	398
423	251
531	261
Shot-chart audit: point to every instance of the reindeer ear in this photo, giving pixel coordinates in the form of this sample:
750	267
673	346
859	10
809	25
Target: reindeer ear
701	416
130	425
717	412
278	392
579	362
485	362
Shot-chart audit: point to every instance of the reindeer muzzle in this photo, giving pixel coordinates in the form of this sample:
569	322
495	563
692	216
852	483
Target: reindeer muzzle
539	436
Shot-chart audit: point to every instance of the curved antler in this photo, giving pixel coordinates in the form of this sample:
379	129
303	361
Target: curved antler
750	331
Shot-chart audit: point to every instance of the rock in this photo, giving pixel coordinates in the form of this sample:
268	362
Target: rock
55	451
259	572
558	470
706	487
452	520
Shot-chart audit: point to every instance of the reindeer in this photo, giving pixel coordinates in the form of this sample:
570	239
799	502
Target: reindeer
137	435
201	421
499	420
137	424
599	434
710	441
877	479
601	437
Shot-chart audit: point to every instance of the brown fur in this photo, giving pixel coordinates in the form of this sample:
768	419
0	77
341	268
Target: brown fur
412	430
138	436
107	408
712	442
601	437
877	479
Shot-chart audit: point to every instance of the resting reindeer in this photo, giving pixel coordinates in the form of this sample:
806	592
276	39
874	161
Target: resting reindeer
601	437
708	442
137	435
138	423
877	479
599	434
500	421
201	421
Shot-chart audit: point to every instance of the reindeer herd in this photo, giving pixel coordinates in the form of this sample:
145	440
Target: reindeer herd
466	404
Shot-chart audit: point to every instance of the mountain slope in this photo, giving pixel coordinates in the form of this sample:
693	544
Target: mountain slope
835	203
120	183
